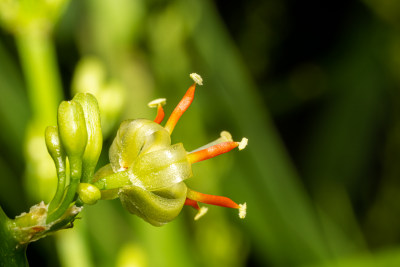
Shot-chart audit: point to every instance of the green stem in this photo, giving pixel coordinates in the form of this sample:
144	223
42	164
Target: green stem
38	60
76	173
113	181
60	166
87	173
10	253
59	193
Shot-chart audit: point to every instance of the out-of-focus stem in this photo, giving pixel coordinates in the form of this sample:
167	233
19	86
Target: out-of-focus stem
39	64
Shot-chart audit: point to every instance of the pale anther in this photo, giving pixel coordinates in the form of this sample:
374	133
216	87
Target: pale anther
156	102
242	210
243	143
196	78
200	213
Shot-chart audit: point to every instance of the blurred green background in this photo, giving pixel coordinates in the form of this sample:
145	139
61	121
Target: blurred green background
314	85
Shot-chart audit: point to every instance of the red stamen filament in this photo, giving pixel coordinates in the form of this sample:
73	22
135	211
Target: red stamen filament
191	202
180	109
211	199
160	114
211	151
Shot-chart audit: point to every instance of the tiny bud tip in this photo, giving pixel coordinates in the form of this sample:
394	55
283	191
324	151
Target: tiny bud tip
156	102
242	210
243	143
196	78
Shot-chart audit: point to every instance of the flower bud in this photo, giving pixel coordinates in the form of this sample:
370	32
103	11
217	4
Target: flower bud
54	147
88	193
94	136
56	151
156	207
72	128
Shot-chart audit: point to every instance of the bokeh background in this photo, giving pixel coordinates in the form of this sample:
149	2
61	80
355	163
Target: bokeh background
314	85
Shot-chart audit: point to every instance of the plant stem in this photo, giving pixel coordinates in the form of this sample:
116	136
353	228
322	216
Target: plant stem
40	67
38	60
60	166
76	173
10	254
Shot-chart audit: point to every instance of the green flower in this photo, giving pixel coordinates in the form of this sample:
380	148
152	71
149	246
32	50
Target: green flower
147	172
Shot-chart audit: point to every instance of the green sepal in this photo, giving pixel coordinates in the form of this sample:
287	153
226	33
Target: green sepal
135	137
94	136
161	168
104	171
155	207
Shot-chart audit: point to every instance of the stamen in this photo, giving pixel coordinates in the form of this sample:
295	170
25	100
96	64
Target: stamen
225	137
242	210
201	213
192	203
243	143
211	151
160	114
180	109
196	78
160	111
211	199
156	102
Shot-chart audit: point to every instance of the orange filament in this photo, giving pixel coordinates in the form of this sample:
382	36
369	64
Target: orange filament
211	199
194	204
160	114
180	109
211	151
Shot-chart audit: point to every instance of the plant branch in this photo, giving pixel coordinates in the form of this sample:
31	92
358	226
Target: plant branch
10	253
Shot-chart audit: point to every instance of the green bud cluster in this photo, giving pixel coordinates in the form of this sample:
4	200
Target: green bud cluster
146	172
77	138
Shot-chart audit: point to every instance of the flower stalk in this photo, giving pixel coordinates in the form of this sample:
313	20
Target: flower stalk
57	153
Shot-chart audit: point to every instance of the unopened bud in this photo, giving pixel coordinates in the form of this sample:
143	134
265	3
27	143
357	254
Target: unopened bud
72	128
53	144
94	136
88	193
